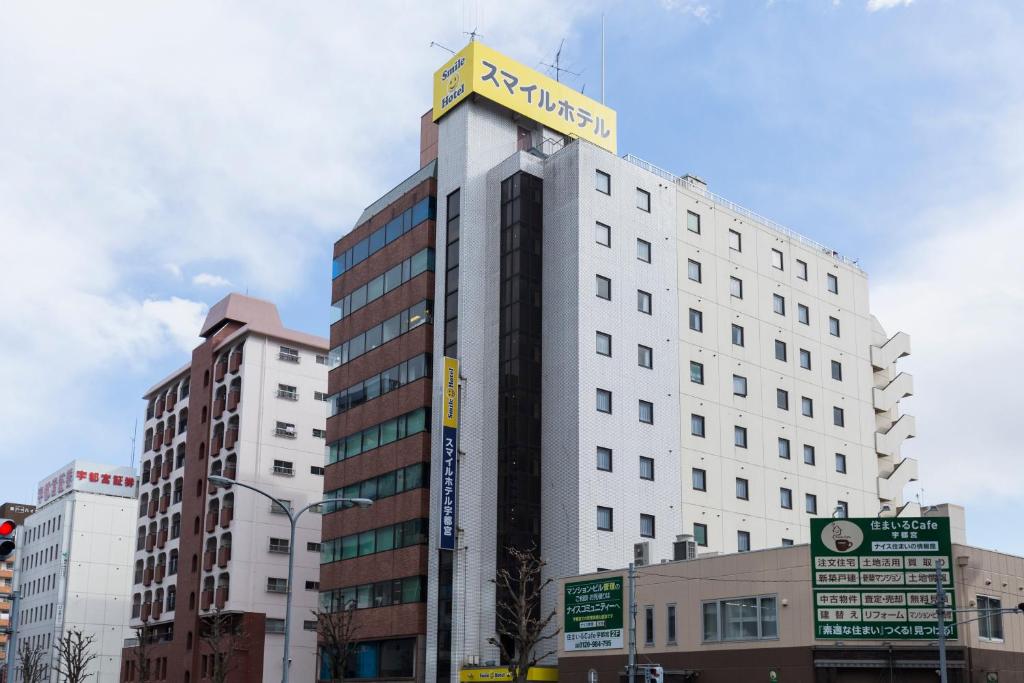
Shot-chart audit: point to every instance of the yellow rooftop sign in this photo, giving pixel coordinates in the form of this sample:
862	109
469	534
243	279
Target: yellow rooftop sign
479	69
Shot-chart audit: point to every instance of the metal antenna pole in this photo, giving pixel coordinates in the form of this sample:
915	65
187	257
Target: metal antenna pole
602	59
632	623
940	611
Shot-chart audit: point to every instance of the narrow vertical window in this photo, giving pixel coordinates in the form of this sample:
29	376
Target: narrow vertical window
643	200
643	301
784	448
693	270
833	283
736	287
603	182
696	372
696	320
604	401
801	269
833	326
604	288
604	459
646	411
643	250
777	259
737	335
604	344
779	304
803	314
743	541
735	241
647	526
603	234
837	371
645	356
693	222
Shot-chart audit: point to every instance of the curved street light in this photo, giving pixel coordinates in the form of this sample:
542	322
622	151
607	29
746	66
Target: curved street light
293	518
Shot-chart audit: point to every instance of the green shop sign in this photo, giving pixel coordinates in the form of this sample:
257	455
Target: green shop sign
593	614
875	579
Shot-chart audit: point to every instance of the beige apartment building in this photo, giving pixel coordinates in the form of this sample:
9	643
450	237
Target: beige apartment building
683	626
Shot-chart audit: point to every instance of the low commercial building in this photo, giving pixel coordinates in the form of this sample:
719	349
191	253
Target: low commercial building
753	616
74	564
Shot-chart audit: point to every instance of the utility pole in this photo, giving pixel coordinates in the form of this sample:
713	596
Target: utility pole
631	666
940	612
12	640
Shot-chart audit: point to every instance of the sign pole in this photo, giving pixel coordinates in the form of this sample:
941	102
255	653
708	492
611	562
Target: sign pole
632	622
940	611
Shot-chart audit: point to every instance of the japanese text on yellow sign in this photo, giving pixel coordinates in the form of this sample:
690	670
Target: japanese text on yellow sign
479	69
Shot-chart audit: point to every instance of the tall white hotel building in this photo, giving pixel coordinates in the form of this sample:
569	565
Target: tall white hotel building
640	359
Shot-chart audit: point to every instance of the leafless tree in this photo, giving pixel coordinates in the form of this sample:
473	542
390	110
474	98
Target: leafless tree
336	632
223	636
74	653
144	636
31	663
521	630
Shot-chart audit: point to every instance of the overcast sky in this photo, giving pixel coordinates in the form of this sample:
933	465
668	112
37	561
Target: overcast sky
154	157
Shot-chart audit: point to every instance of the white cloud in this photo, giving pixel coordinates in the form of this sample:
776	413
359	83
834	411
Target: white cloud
876	5
144	139
957	291
700	10
210	280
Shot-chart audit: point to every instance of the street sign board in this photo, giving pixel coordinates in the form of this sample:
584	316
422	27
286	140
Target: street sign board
593	614
874	579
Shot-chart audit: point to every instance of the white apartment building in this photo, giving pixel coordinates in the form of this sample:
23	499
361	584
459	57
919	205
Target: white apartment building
74	564
687	366
250	406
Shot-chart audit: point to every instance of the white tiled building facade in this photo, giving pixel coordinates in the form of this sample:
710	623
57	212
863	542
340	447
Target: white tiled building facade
752	335
74	567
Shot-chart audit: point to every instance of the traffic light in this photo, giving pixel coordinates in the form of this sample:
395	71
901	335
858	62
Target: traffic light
7	528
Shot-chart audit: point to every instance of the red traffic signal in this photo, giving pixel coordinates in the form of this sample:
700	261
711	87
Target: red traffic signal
7	527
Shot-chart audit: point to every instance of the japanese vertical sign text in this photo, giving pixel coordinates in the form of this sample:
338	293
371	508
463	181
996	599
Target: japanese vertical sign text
449	453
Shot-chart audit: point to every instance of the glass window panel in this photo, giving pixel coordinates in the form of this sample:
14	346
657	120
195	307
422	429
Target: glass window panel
412	589
386	485
373	338
696	372
420	212
349	547
391	328
364	596
367	542
359	252
354	445
375	288
414	476
693	222
393	230
371	438
356	346
357	299
710	621
769	618
385	538
740	619
388	432
416	421
368	489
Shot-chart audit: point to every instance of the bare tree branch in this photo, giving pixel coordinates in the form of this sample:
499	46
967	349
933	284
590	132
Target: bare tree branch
31	664
140	654
519	626
223	636
336	632
74	653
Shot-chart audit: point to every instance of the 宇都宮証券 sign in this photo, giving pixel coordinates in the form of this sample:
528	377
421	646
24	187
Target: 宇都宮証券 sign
876	578
593	614
490	74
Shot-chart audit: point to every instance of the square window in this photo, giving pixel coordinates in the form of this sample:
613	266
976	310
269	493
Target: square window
784	448
696	320
603	234
736	287
644	356
805	359
647	526
697	425
801	269
811	503
646	412
696	372
779	304
803	314
786	498
780	350
604	344
806	407
735	241
643	301
647	468
739	385
838	416
833	283
693	270
737	335
693	222
700	534
700	480
840	463
643	200
604	288
603	182
782	399
643	250
777	259
604	459
740	436
833	326
742	489
604	401
837	371
743	541
842	509
808	454
604	518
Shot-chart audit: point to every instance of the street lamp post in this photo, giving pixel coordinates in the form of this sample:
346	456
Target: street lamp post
293	518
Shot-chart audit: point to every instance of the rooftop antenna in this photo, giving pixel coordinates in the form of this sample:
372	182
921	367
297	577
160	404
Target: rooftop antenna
473	35
557	66
436	44
602	58
135	433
